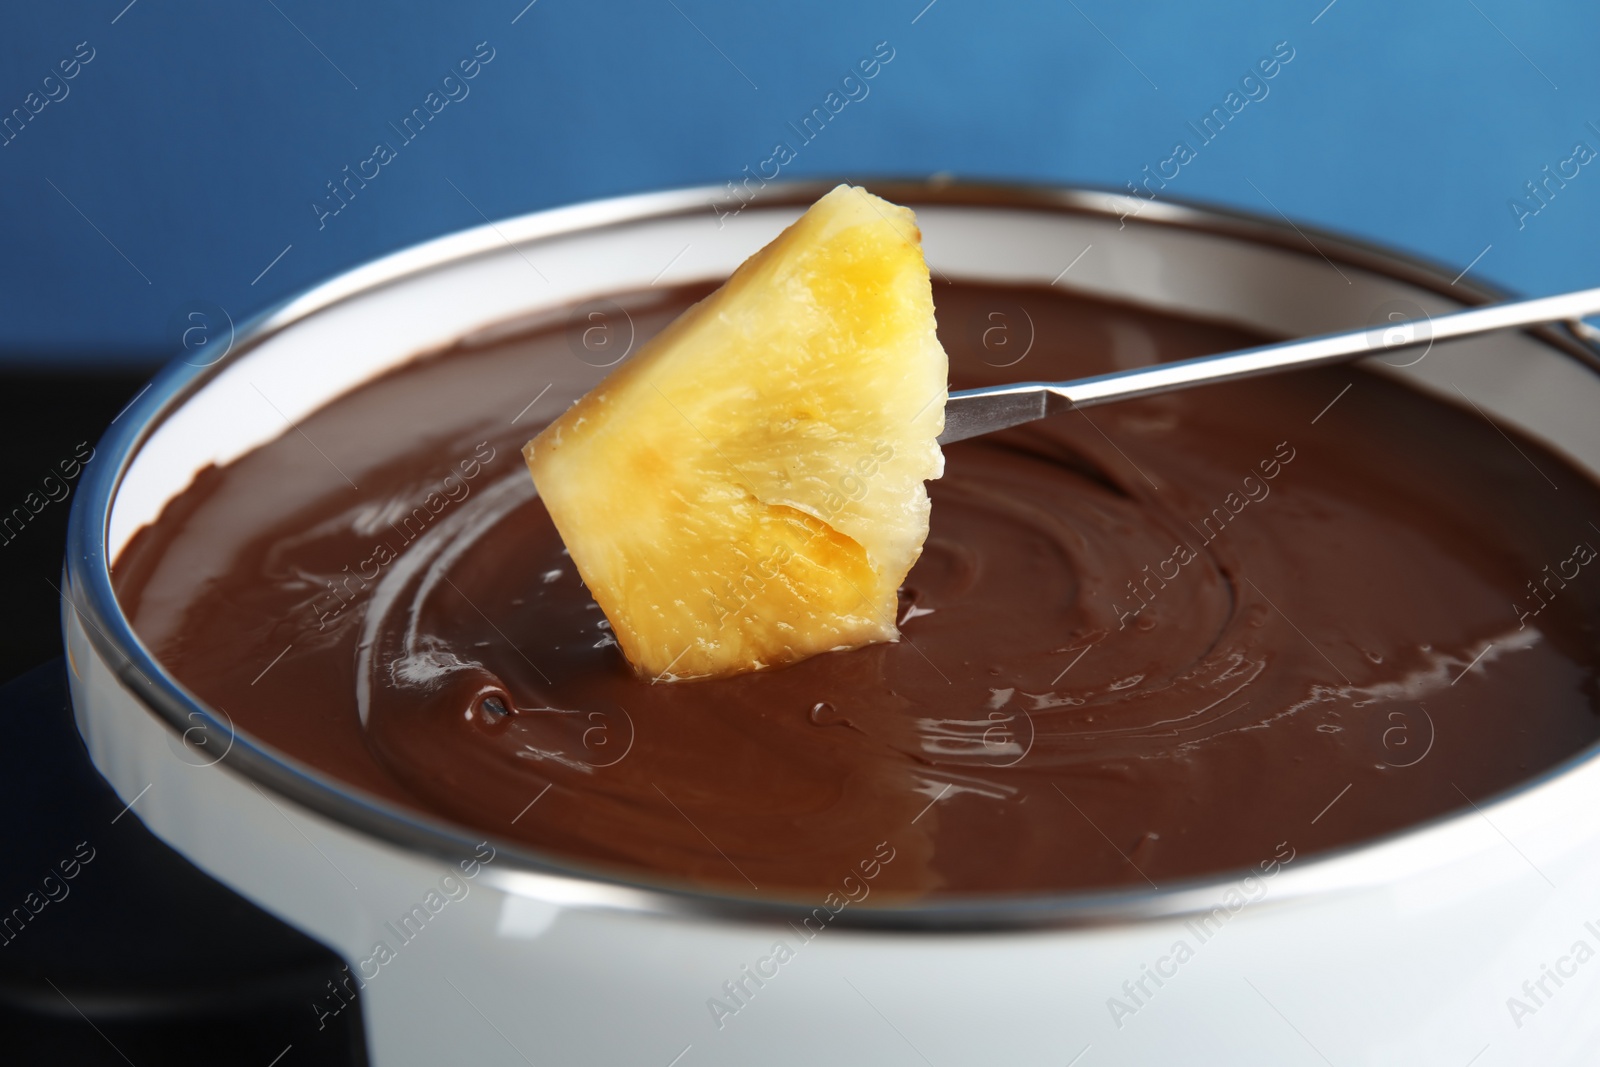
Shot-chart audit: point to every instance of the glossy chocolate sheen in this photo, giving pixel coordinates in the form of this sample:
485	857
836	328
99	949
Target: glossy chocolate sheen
1144	643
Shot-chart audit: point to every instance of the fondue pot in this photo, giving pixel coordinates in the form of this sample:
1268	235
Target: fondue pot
1450	941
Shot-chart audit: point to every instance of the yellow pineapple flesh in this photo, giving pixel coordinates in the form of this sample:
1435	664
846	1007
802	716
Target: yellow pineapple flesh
747	490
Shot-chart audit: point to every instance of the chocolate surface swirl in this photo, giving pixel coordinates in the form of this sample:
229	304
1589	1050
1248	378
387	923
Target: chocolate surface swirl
1143	643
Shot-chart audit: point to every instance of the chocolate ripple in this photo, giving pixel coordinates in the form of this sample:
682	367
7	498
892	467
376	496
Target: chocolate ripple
1143	643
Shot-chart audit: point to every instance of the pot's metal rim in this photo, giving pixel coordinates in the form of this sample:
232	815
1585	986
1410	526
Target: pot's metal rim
89	595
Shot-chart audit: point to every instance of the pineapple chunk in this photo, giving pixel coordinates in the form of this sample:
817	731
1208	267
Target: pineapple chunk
747	490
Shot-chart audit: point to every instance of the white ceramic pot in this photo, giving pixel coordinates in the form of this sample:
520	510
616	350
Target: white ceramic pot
1402	951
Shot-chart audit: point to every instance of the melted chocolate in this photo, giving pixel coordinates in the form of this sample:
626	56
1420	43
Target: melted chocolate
1146	642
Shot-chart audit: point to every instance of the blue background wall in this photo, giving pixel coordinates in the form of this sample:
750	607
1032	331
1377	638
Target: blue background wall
187	153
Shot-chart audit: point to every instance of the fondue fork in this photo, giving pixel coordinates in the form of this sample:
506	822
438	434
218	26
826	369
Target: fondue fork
971	412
